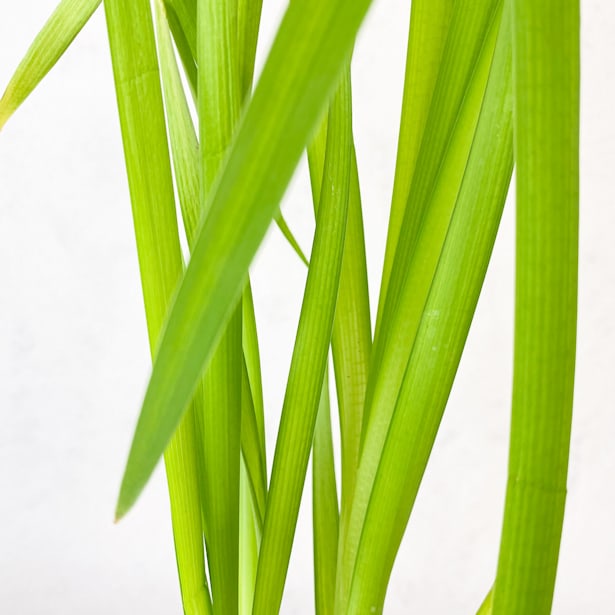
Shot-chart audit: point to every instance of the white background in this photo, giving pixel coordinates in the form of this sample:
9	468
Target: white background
74	359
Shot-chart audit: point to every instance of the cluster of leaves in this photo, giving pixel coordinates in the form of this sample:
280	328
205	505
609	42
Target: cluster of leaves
480	75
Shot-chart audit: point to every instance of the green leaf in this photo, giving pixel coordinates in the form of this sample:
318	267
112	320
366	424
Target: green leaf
248	22
184	13
184	34
253	367
307	368
546	127
351	339
252	451
249	540
183	139
135	68
325	512
48	46
288	235
443	157
487	605
439	170
429	24
219	103
185	148
437	347
303	66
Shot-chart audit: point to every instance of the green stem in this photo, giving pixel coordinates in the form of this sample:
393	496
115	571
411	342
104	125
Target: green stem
546	129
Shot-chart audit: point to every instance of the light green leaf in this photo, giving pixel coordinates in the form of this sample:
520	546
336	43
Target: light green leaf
183	139
351	339
546	126
439	170
252	451
181	18
185	148
487	605
219	103
325	511
438	345
48	46
457	101
303	66
249	540
253	366
248	22
135	68
429	24
307	368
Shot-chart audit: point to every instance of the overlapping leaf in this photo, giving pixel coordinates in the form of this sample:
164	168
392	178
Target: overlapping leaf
307	369
311	46
135	67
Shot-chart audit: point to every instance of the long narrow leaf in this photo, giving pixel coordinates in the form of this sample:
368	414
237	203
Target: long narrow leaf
439	168
256	469
487	605
325	511
444	158
248	21
185	149
184	34
439	342
139	95
47	48
546	126
351	338
308	363
303	66
249	540
429	24
219	103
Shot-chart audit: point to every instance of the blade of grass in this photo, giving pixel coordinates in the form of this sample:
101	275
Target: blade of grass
182	134
252	508
487	605
184	35
252	452
292	241
304	63
438	345
249	17
303	391
420	249
325	512
184	140
448	136
546	127
351	338
185	148
185	13
429	24
139	96
219	101
253	366
47	48
253	478
249	540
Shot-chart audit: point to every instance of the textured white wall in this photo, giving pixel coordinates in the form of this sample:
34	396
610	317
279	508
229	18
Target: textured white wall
74	359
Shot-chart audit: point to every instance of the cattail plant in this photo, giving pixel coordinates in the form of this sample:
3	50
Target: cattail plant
489	84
